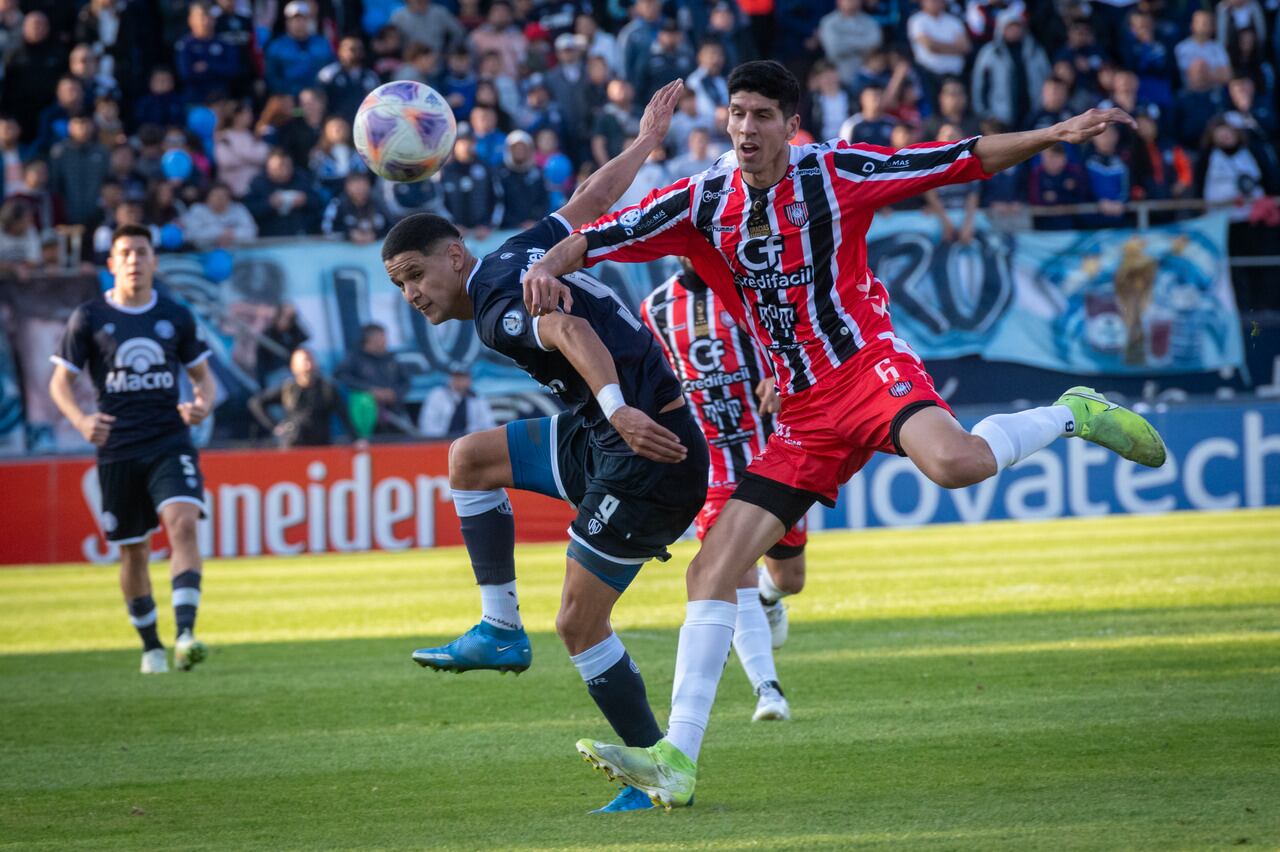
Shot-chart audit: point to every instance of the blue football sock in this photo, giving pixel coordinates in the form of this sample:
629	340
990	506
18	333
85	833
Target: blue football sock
615	684
142	615
186	599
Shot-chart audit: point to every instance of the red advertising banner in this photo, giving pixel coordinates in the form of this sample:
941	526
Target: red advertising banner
266	502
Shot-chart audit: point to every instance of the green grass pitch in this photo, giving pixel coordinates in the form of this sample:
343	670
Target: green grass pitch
1109	683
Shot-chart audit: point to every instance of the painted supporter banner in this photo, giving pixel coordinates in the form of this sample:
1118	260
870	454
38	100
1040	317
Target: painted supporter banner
281	503
300	502
1117	302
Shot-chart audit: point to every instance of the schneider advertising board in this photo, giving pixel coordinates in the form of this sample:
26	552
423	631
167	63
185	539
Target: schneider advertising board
397	497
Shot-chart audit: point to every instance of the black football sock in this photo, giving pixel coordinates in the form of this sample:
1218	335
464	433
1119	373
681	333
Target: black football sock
619	691
142	615
186	599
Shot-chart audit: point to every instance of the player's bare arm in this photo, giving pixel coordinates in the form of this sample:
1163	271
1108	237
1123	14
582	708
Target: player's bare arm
203	392
1004	150
574	338
94	427
767	396
543	292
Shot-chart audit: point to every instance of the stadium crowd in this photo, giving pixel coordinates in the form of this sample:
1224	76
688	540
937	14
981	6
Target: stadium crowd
216	123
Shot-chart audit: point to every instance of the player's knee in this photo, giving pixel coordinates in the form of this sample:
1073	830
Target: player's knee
181	528
134	557
790	581
467	464
956	463
576	628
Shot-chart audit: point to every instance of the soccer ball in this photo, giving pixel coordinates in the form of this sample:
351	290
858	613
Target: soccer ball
405	131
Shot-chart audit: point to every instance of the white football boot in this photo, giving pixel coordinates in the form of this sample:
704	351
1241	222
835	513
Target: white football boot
772	705
155	661
188	651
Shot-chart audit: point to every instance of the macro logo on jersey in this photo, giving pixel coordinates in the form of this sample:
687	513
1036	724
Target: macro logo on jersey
134	367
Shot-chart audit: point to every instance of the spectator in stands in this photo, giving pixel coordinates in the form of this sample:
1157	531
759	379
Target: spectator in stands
1083	54
161	105
638	36
19	239
828	102
507	89
77	168
219	221
614	123
425	22
955	200
236	29
347	81
1109	178
1236	16
939	42
1248	59
567	85
500	34
652	173
524	192
539	110
300	134
1124	94
697	155
1053	104
283	200
684	120
1009	72
123	169
669	58
390	54
490	142
1160	170
404	199
903	92
846	35
1202	44
150	139
1200	100
163	206
10	157
11	15
334	157
869	124
707	81
83	65
1150	59
294	58
471	193
1247	112
452	410
953	109
309	402
1005	194
1054	181
1228	173
31	74
355	214
374	370
459	83
422	65
69	101
284	334
239	152
207	66
46	204
597	41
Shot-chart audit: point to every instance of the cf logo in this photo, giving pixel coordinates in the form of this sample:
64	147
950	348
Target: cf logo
761	254
705	355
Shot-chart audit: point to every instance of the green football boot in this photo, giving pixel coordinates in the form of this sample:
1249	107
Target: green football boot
1115	427
662	771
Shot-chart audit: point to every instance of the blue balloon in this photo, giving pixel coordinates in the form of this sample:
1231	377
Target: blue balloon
60	128
217	265
106	280
558	169
171	236
176	164
202	121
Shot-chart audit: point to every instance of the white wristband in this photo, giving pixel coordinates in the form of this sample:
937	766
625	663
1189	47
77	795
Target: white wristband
610	399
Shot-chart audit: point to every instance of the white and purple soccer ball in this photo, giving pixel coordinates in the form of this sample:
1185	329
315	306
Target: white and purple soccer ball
405	131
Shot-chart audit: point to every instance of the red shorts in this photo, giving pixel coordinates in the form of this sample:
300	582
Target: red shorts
795	537
826	434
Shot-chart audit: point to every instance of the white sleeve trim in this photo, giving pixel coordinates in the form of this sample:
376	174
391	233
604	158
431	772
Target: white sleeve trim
563	221
537	338
63	362
199	359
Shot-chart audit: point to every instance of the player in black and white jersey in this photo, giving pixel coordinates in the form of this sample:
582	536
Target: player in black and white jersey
627	455
135	344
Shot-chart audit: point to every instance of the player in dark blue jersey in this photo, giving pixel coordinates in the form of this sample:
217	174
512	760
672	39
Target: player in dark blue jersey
135	343
627	454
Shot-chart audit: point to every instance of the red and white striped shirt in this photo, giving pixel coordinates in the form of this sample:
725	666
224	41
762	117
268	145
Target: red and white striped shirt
793	266
718	367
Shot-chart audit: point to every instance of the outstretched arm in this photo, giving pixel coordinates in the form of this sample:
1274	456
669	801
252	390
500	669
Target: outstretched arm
1003	150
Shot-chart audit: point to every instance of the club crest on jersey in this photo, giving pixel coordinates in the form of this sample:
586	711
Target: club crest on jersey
164	329
901	388
594	527
797	213
513	322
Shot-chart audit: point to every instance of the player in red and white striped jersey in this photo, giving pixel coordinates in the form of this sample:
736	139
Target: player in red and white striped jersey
731	394
779	232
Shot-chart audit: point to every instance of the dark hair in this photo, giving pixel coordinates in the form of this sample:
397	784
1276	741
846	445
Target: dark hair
130	231
769	78
369	330
419	232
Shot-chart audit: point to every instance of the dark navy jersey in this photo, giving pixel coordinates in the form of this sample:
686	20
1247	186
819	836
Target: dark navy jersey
135	356
504	325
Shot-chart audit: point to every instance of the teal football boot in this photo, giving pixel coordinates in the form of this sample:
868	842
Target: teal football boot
628	799
482	647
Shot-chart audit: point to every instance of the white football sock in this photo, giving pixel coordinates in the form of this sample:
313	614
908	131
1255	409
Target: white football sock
752	640
500	607
599	658
768	590
700	657
1013	437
